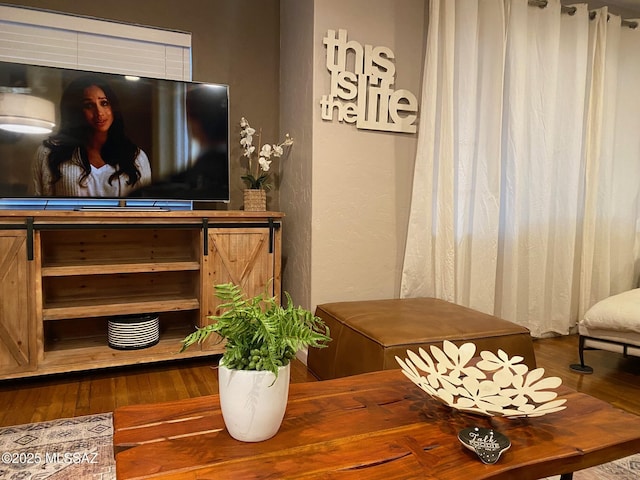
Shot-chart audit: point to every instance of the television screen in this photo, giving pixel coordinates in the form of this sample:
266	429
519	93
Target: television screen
111	136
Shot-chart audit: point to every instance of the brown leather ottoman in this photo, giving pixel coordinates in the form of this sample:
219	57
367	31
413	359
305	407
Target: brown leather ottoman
367	335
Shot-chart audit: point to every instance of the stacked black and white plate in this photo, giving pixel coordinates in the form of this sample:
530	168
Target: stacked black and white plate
132	332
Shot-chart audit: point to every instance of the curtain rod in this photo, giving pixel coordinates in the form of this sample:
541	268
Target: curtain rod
572	10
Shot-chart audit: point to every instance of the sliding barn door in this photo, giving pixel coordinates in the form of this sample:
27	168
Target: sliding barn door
246	256
15	311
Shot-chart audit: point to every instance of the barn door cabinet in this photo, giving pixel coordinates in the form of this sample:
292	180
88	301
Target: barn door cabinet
64	274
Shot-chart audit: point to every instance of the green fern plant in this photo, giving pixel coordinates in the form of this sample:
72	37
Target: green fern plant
260	333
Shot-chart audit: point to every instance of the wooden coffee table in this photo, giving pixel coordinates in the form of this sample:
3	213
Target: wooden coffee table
375	426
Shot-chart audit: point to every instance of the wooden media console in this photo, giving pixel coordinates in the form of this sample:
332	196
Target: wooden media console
64	274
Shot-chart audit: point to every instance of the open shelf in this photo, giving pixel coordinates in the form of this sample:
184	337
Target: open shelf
119	246
119	294
93	352
117	306
82	344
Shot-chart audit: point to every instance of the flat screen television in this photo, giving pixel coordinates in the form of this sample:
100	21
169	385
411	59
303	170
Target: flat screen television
115	138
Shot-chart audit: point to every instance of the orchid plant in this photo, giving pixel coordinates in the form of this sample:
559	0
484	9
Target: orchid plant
259	170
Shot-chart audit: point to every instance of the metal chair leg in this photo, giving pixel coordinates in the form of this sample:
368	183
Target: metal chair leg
581	367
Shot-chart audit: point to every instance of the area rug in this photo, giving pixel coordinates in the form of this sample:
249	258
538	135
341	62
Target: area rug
623	469
66	449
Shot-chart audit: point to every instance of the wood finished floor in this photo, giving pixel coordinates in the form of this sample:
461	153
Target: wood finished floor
615	380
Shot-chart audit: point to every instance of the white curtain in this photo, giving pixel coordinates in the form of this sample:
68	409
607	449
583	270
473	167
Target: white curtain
527	175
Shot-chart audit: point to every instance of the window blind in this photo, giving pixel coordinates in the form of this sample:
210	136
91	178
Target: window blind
53	39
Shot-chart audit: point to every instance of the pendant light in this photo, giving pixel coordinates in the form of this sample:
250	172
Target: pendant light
24	113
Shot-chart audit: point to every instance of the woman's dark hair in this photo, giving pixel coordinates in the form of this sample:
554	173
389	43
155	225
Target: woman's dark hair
74	132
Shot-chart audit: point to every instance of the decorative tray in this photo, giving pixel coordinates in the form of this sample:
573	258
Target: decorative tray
485	442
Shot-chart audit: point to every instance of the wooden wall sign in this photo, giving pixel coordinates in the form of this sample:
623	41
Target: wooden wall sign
362	81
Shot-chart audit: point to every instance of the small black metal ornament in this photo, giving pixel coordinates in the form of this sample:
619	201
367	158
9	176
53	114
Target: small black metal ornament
487	443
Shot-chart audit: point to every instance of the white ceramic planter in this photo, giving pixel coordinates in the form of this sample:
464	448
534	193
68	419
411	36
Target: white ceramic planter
252	405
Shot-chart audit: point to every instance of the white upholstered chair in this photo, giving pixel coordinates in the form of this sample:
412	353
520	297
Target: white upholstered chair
612	324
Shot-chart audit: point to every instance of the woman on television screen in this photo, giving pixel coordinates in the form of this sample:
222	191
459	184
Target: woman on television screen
90	155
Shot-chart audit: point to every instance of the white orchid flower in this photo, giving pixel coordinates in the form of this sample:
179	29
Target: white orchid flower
246	138
264	164
277	150
248	151
266	151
